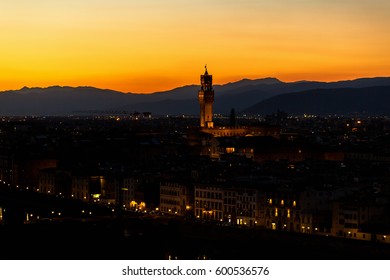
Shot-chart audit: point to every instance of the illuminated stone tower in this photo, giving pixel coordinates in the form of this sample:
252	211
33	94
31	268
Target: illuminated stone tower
206	99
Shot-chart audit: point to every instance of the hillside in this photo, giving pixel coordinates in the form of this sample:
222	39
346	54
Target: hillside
250	96
341	101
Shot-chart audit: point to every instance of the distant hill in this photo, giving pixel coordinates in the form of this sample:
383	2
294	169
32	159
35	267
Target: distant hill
341	101
241	95
184	100
57	100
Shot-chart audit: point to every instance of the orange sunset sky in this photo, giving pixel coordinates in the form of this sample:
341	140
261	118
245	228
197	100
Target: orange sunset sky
154	45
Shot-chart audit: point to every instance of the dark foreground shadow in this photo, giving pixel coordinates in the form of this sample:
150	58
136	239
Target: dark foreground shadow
137	239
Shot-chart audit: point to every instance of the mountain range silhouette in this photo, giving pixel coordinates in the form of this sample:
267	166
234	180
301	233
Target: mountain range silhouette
249	96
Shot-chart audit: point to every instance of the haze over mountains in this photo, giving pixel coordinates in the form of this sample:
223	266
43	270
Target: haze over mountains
259	96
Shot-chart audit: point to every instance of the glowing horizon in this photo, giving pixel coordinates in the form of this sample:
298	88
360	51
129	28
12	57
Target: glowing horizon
150	46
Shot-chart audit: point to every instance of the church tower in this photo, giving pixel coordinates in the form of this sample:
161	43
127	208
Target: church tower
206	99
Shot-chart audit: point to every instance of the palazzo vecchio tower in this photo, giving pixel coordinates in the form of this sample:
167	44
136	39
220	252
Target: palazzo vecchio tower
206	100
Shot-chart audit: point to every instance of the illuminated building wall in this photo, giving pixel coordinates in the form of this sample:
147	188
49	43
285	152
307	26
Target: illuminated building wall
80	187
54	182
97	186
351	219
247	207
110	191
226	131
230	205
281	212
25	172
175	198
209	202
46	181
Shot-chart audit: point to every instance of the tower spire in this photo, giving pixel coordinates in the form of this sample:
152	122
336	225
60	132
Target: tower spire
205	72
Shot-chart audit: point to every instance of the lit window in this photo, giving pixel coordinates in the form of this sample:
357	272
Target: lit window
230	150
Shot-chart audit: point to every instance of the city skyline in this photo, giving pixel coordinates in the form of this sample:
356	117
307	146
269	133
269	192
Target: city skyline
144	47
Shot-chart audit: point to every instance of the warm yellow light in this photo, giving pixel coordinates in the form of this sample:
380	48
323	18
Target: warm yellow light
142	205
133	204
230	150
